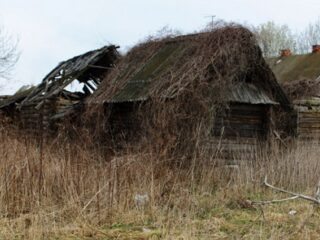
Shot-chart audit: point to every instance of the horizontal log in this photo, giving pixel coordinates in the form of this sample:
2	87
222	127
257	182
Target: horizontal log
240	133
313	133
237	122
240	120
248	107
33	105
308	136
308	114
237	148
241	127
308	120
233	141
309	124
242	114
48	112
304	128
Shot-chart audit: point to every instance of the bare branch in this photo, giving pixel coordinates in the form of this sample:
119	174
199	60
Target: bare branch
9	54
297	195
272	38
274	201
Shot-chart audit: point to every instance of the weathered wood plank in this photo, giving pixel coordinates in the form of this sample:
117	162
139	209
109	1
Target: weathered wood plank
308	114
309	124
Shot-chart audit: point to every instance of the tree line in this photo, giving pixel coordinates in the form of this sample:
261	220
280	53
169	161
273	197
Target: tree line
273	37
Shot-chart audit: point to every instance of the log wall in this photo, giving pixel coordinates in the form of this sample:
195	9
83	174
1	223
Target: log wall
240	130
308	124
36	121
242	121
237	132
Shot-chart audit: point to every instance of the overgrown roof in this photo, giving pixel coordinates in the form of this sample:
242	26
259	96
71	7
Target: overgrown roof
170	66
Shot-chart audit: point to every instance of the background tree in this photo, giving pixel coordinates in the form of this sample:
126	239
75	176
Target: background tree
9	53
272	38
310	36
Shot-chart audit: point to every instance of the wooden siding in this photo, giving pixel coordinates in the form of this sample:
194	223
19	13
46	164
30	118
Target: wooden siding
36	120
308	124
43	119
237	133
242	121
235	150
240	130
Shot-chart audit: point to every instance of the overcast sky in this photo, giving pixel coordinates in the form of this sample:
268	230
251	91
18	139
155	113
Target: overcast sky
51	31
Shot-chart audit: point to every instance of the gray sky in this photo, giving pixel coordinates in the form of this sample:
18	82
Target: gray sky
55	30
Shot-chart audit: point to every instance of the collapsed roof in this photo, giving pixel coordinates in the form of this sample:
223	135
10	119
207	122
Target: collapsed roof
21	94
88	68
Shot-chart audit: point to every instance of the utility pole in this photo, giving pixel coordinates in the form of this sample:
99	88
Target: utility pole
212	19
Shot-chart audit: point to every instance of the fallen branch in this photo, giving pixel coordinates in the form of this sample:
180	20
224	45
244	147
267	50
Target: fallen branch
273	201
296	195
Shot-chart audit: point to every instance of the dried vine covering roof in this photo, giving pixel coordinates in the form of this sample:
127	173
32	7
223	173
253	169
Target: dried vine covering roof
302	89
168	67
298	74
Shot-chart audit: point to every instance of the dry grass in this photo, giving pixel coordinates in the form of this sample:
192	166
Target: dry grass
67	191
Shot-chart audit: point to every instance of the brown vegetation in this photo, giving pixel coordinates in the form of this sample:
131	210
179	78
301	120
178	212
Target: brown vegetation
302	89
65	189
168	184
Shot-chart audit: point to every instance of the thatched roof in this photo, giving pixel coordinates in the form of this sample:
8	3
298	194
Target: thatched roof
227	56
298	74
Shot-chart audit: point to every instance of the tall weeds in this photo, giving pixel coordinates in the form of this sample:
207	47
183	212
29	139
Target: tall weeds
73	182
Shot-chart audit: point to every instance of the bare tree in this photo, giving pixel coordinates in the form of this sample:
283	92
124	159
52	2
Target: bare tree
272	38
9	53
310	36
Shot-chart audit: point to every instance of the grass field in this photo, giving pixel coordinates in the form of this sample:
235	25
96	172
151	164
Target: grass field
220	216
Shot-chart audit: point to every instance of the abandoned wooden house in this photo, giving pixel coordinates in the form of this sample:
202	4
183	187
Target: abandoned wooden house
300	77
218	78
43	106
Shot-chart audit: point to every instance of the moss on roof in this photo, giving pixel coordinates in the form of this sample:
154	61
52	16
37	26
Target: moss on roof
296	67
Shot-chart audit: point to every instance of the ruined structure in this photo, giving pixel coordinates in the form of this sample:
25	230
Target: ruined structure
42	107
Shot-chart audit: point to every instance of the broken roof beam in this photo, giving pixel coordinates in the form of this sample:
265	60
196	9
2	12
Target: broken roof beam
75	68
100	67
